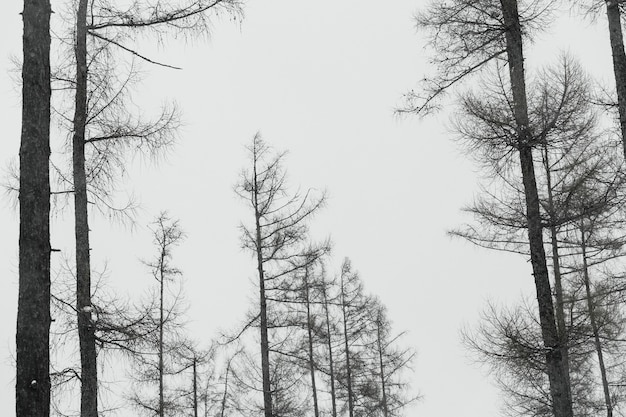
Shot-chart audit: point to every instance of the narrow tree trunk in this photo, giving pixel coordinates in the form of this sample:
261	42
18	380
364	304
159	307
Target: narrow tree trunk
556	265
619	61
557	375
162	273
310	342
86	329
195	388
265	360
225	396
32	383
331	368
383	383
594	326
347	349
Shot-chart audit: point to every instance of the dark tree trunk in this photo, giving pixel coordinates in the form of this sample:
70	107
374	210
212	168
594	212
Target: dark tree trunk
557	374
162	274
558	281
331	367
347	349
619	61
595	327
86	328
265	359
195	387
383	382
32	383
310	342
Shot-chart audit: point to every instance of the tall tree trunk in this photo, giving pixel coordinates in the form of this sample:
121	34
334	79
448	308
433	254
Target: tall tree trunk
594	326
309	326
32	382
195	387
381	352
331	367
347	349
557	374
225	396
86	329
556	266
161	324
619	61
265	360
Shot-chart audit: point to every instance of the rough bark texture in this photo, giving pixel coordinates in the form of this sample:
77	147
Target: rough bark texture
619	61
594	326
557	374
86	328
32	383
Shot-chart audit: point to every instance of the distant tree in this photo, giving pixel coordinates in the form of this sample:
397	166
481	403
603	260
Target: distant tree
165	350
32	384
278	239
393	362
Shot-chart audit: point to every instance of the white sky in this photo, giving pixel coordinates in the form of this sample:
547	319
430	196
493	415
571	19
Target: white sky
320	79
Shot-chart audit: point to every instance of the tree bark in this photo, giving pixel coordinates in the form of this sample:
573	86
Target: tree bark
619	62
557	374
32	383
86	328
594	326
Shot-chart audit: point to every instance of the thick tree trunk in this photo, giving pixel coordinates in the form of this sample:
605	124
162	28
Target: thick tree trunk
32	383
557	374
619	61
594	327
86	328
331	367
265	360
309	326
556	266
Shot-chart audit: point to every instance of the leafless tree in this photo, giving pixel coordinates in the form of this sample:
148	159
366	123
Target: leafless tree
277	238
468	35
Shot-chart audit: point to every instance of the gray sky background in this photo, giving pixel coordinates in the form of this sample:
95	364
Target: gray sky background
320	79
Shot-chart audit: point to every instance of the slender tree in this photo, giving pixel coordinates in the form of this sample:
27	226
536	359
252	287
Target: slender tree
277	238
32	384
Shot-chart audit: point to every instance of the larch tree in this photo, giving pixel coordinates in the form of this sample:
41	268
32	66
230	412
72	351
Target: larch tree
467	35
278	240
164	352
99	27
32	383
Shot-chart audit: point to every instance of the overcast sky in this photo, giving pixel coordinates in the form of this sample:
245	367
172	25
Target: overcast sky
320	79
